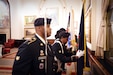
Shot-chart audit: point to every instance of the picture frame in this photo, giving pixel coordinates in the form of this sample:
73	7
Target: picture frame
4	14
29	32
29	20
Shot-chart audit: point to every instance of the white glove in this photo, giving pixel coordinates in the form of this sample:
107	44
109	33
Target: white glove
79	53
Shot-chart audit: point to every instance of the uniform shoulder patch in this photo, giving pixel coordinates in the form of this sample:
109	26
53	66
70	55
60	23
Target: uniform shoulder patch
32	40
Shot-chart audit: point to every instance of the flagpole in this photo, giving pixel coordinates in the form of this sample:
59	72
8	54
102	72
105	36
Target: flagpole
85	67
45	25
73	41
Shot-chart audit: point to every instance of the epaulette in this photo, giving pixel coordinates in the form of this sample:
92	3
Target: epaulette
32	40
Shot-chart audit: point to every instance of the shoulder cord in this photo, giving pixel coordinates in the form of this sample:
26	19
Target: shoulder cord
60	46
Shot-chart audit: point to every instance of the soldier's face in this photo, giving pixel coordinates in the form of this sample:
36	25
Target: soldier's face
64	40
48	30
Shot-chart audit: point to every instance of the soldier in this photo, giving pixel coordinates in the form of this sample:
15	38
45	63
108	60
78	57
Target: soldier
35	56
57	33
61	53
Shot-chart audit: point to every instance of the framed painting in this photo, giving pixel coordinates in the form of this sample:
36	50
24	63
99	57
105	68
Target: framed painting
29	32
4	14
29	20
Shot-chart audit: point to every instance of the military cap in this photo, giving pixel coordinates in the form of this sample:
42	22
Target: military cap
57	33
62	29
40	21
64	34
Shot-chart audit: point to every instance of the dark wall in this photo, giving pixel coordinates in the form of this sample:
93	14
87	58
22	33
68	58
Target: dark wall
2	38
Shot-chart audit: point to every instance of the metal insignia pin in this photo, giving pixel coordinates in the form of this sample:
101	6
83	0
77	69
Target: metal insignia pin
41	44
42	60
41	65
17	57
59	51
41	52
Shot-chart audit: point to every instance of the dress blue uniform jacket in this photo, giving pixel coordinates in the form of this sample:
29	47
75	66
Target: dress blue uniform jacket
64	56
32	60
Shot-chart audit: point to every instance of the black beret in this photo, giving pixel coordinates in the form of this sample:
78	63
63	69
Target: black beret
40	21
64	34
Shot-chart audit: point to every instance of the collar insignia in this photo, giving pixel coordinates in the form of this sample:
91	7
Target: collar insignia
32	40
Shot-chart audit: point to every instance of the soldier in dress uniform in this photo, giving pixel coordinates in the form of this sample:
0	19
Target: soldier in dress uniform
35	56
60	51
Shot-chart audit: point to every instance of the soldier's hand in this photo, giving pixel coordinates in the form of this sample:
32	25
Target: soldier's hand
73	56
79	53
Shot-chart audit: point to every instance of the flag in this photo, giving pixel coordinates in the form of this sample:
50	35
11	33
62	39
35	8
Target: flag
82	62
68	25
81	32
68	30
